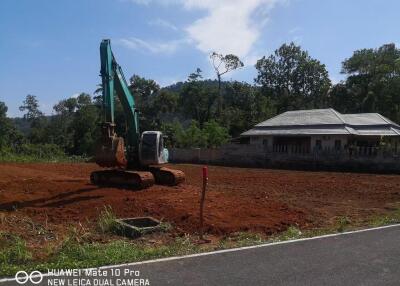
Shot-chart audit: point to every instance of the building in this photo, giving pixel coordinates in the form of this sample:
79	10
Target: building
325	131
318	139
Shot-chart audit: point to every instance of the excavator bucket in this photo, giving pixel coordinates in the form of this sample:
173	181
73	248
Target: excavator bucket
112	153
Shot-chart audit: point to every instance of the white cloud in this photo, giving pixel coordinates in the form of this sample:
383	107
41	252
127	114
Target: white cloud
166	81
251	59
229	26
295	30
46	108
141	2
297	40
167	47
163	24
162	2
295	33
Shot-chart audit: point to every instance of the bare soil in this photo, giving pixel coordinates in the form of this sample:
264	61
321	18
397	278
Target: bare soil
42	201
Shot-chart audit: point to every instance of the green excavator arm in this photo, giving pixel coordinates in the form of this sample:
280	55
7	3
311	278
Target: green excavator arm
114	83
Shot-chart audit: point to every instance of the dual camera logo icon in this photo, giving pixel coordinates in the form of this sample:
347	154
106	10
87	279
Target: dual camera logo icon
22	277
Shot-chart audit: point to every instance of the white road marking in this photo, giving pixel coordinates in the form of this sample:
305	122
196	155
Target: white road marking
226	250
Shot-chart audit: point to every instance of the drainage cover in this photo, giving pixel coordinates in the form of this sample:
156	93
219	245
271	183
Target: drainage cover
137	226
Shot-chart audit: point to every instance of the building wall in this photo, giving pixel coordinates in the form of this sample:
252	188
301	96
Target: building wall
242	155
327	141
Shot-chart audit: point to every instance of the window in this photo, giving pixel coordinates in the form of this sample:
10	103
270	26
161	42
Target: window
318	144
338	144
265	142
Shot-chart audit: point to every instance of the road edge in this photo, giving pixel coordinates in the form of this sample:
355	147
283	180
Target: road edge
270	244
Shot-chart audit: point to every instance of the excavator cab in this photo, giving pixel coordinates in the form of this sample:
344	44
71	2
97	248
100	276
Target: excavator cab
151	149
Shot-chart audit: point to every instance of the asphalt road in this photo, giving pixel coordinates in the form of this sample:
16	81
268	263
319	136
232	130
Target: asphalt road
366	258
361	258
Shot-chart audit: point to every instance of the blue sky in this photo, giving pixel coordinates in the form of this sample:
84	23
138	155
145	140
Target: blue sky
50	48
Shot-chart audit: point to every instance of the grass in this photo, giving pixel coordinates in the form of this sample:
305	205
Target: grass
14	249
240	239
343	223
106	222
391	218
31	153
17	158
75	254
77	250
291	233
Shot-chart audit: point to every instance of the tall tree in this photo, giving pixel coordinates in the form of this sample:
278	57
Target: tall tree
222	65
9	136
59	129
196	99
293	79
31	106
373	82
144	91
245	107
85	126
36	119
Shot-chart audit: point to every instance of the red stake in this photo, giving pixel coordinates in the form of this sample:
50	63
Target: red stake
203	195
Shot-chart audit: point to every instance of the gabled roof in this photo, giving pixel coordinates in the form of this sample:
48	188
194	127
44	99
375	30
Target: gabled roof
325	121
304	117
361	119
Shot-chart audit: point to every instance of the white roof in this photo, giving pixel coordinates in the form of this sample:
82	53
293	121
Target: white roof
325	121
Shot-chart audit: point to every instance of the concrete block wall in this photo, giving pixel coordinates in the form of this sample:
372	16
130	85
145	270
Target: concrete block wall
254	156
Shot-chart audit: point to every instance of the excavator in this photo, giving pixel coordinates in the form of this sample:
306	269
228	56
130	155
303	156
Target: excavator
134	160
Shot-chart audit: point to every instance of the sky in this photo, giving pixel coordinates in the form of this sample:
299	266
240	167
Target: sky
51	48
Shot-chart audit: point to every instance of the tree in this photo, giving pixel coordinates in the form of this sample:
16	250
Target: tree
216	134
36	119
192	136
59	130
9	135
197	99
293	79
173	132
31	106
245	107
222	65
372	84
144	91
85	127
66	106
165	102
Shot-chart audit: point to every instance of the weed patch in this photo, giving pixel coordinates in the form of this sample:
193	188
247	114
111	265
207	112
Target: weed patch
106	222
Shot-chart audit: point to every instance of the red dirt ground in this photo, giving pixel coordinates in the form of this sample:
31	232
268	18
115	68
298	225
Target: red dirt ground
54	196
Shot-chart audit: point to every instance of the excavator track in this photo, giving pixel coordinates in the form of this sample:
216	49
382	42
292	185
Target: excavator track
123	178
167	176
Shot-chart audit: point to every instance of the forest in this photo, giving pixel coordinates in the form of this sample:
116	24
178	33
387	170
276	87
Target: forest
209	112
